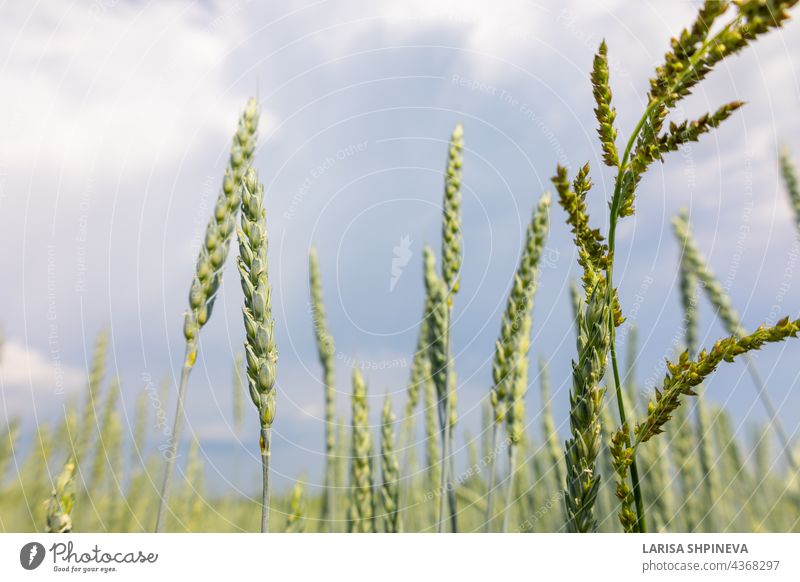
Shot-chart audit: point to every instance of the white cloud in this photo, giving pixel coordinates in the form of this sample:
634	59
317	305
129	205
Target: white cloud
25	370
115	87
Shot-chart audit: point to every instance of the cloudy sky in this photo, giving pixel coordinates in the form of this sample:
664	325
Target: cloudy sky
116	118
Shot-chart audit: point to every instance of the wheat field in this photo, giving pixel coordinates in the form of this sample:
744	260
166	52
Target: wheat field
625	458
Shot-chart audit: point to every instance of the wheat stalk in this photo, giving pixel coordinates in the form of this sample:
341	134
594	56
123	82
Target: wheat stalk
442	291
592	322
511	347
238	392
89	421
420	374
438	355
7	446
682	377
549	433
361	514
515	417
295	520
693	54
259	346
432	432
137	481
343	448
102	454
451	210
208	275
586	399
62	500
194	487
326	350
390	473
708	478
789	174
698	264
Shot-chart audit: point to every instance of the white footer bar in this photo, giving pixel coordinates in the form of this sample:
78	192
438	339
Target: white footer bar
406	557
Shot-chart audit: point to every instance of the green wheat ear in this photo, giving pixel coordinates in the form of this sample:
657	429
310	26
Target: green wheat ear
697	263
361	513
207	277
604	112
220	229
586	400
509	366
326	351
62	500
451	224
789	174
260	351
390	472
686	374
295	518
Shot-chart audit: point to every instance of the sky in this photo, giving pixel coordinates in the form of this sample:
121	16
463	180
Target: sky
116	118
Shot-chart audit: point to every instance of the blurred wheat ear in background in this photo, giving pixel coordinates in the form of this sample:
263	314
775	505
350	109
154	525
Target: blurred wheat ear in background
326	351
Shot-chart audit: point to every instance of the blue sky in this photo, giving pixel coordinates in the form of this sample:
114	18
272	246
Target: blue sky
116	120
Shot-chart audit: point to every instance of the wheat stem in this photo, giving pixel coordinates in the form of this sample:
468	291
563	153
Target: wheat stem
207	278
326	350
172	451
265	442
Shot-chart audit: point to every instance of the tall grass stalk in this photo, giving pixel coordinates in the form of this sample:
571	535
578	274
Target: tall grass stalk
390	473
326	351
789	174
295	519
208	276
442	292
432	436
361	517
511	348
682	377
730	318
549	432
693	54
89	423
259	345
707	479
62	500
515	417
